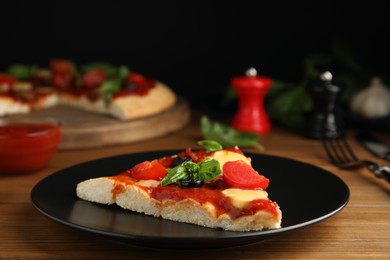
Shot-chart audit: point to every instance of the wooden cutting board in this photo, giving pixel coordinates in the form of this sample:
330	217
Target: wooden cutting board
81	129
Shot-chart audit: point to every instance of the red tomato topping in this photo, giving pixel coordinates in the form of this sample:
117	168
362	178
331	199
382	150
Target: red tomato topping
196	156
6	82
62	74
238	174
60	66
166	161
62	80
148	170
93	79
192	155
135	78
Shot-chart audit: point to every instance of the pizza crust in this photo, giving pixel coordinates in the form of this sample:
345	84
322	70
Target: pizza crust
99	190
126	107
10	106
158	99
47	100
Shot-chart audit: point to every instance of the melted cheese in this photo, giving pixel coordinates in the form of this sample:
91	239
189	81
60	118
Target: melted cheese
148	183
240	198
210	208
226	156
22	86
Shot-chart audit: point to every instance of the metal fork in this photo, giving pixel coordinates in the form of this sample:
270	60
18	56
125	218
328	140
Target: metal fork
341	155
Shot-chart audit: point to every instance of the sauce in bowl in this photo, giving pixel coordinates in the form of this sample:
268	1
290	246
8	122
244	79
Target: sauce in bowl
27	145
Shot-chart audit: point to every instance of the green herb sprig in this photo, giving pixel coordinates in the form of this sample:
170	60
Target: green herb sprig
210	145
206	170
22	72
228	136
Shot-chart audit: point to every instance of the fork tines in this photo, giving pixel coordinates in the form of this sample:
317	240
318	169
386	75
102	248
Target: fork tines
339	153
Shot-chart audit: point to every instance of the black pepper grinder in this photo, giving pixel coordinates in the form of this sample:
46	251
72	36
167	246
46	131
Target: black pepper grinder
325	119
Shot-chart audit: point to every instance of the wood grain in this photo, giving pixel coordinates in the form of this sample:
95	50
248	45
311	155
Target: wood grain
359	231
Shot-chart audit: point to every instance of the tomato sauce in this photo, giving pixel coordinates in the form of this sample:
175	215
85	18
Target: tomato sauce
211	193
22	130
91	95
27	146
140	89
10	96
120	188
28	97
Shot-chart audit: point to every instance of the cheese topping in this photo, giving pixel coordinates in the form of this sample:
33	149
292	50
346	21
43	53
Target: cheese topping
149	183
240	198
21	86
224	156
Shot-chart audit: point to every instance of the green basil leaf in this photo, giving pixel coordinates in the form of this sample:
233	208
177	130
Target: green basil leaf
208	170
108	88
191	167
289	108
210	145
228	136
22	72
123	72
175	175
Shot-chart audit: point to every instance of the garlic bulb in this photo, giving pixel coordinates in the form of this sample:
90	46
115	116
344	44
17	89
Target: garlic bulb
373	101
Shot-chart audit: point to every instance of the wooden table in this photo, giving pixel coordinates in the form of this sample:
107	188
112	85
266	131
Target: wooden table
359	231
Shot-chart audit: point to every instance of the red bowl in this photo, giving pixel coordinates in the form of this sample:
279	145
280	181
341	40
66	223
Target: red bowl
27	145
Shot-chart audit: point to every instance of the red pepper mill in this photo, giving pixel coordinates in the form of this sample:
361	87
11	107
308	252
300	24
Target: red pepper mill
251	90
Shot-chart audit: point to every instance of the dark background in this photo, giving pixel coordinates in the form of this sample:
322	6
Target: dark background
196	47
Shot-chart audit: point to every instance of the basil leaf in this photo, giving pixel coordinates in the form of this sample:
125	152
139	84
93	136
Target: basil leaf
208	170
210	145
108	88
289	107
76	74
174	175
123	72
22	72
228	136
192	168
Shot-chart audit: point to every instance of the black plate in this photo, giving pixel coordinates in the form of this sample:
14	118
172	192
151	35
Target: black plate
306	195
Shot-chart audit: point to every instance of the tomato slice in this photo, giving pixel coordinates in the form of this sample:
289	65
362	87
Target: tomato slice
148	170
166	161
136	78
62	81
196	156
61	66
6	82
238	174
93	79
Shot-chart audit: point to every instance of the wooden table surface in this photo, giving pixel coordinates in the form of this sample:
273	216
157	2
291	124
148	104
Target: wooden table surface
360	231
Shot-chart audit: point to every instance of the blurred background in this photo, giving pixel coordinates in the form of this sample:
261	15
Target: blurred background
197	47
